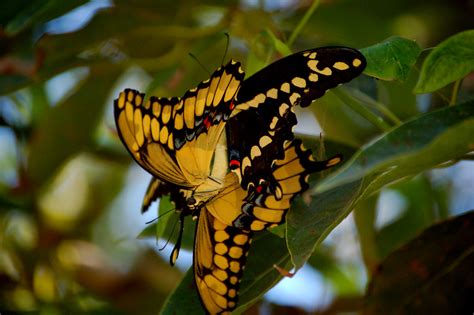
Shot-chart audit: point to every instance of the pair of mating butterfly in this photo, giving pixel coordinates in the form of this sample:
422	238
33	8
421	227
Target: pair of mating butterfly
226	154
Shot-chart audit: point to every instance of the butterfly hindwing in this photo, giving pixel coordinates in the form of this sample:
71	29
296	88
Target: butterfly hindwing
226	224
263	117
220	253
156	189
262	209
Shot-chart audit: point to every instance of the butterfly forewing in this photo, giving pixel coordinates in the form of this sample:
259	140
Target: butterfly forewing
154	131
263	117
208	104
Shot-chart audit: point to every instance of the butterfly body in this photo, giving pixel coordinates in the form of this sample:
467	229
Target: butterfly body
225	153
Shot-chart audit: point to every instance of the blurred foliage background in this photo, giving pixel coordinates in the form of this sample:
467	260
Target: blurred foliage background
70	196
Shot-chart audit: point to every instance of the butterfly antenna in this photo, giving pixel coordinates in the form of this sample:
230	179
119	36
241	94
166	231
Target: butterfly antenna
226	47
199	63
161	215
171	234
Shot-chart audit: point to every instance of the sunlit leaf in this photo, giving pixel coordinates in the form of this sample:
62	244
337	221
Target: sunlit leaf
391	59
432	274
451	60
423	142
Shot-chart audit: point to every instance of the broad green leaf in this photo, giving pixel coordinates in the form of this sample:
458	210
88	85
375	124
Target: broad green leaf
391	59
163	218
308	225
167	226
330	203
421	143
259	276
158	227
451	60
26	16
312	217
431	274
39	11
184	299
149	231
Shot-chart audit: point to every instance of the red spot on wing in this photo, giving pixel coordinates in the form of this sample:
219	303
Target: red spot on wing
234	164
207	122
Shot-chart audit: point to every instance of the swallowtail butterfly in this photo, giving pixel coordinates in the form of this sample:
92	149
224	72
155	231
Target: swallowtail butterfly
226	154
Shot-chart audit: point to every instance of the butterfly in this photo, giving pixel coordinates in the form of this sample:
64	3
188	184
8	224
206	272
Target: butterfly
226	154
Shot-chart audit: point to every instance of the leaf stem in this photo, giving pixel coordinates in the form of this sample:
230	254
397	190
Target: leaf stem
358	107
302	22
454	95
382	108
387	112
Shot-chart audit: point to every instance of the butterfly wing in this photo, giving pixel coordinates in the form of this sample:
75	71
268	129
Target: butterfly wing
156	189
220	252
263	117
226	224
262	210
165	134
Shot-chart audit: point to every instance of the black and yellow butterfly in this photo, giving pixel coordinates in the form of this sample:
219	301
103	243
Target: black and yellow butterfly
226	154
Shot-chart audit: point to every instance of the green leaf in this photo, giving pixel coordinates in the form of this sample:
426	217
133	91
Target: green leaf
420	144
307	226
36	12
391	59
451	60
166	227
149	231
26	16
432	274
340	122
260	275
312	217
279	46
267	250
157	228
164	220
184	299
